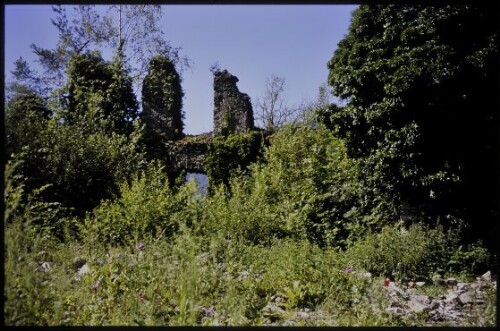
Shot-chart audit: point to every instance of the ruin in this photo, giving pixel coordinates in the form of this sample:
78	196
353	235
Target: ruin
233	113
232	109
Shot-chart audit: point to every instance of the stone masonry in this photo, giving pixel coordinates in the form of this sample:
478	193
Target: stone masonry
232	114
232	109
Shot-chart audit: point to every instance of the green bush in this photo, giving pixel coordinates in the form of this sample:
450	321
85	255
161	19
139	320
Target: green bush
229	154
418	252
147	206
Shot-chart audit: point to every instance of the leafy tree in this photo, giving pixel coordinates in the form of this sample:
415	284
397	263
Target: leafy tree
25	117
76	168
83	30
162	103
132	31
98	93
421	84
26	81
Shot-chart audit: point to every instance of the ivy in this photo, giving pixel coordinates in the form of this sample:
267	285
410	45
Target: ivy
229	154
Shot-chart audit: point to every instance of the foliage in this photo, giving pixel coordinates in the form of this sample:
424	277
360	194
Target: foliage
417	253
26	115
411	75
131	30
99	95
162	103
77	168
147	206
227	154
26	80
304	187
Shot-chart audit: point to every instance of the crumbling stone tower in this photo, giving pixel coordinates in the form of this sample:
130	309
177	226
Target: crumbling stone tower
232	109
162	103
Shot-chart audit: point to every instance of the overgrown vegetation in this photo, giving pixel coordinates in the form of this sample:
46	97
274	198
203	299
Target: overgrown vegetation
298	228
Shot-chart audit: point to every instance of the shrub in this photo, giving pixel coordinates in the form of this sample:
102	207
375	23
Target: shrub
417	252
147	206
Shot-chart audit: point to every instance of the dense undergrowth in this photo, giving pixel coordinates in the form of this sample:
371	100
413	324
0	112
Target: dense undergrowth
284	241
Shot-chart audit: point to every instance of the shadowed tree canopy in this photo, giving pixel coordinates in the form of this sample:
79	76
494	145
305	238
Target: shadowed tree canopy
421	87
100	92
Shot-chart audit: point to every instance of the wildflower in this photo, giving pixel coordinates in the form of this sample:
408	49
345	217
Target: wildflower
209	312
100	261
139	245
387	281
348	269
95	286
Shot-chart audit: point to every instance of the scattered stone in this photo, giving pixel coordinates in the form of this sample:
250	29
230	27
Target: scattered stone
418	307
395	310
411	285
78	262
367	275
452	298
465	298
44	267
419	284
435	304
302	315
486	277
272	310
451	281
462	287
422	299
244	275
85	269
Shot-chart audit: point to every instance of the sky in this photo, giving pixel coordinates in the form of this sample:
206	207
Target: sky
253	42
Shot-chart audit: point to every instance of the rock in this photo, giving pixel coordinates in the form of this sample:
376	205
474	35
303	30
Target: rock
411	285
465	298
452	298
302	315
435	304
451	281
486	277
272	310
422	299
85	269
419	284
244	275
395	310
367	274
44	267
78	262
418	307
462	287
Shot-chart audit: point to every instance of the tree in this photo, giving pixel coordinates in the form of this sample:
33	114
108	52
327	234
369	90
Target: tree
26	81
99	93
25	117
272	111
421	83
132	31
86	30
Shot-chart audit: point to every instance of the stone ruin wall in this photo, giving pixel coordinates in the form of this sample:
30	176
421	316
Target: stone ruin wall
232	109
233	113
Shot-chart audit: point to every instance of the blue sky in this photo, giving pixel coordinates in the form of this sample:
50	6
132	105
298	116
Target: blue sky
252	42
